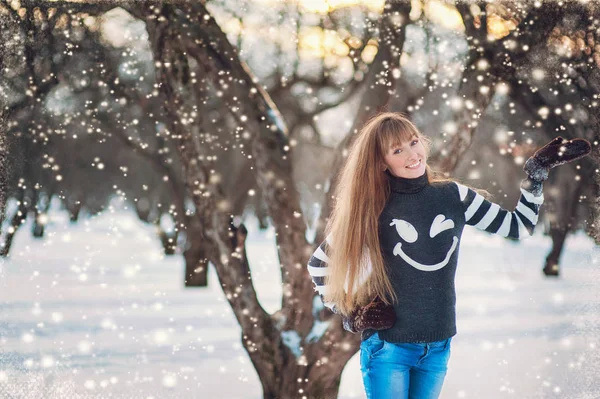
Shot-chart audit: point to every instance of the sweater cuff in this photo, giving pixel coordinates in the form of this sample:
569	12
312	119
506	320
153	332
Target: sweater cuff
535	170
533	186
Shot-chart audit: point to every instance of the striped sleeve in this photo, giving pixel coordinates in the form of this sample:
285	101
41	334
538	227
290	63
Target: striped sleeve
318	269
488	216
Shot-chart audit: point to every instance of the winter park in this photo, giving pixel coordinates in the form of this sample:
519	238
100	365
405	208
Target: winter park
170	171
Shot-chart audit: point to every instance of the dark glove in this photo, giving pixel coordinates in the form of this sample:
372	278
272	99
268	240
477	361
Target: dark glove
556	152
376	315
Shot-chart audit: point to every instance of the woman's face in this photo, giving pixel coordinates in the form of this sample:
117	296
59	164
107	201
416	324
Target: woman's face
407	160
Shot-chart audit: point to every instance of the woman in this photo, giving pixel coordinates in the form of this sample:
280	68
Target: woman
409	220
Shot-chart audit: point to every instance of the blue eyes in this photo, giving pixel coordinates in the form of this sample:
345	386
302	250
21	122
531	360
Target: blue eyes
412	143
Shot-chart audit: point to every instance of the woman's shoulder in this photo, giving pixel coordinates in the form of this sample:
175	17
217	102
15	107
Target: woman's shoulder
445	185
449	188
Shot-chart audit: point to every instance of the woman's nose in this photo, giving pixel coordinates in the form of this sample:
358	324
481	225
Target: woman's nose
411	154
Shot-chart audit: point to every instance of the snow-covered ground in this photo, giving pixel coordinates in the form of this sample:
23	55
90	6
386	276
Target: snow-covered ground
96	310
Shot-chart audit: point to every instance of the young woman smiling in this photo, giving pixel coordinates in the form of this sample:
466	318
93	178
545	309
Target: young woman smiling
394	237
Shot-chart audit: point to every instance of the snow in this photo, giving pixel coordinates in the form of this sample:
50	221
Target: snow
292	340
319	327
95	309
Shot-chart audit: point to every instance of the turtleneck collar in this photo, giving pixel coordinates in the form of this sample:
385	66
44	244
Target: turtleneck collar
407	186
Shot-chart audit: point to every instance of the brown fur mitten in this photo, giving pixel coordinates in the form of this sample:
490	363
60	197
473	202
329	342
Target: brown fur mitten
376	315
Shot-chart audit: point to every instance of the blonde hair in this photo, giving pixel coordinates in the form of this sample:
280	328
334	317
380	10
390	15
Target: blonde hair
360	196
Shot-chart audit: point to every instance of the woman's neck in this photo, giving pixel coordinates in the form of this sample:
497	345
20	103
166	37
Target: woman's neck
406	185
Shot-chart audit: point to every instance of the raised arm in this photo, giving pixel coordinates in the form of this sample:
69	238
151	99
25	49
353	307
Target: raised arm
520	223
488	216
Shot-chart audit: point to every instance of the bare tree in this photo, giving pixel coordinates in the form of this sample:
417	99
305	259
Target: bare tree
209	132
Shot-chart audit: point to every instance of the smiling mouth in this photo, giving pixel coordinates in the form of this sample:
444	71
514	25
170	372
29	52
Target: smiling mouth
415	165
426	268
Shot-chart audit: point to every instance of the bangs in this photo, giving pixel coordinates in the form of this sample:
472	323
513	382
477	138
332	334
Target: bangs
393	132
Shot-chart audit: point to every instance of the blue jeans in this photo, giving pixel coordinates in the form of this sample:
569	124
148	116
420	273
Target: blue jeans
403	370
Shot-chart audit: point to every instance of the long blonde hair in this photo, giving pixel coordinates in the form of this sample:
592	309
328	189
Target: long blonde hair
360	196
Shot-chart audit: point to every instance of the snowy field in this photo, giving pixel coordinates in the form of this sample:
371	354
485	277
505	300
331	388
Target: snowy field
96	310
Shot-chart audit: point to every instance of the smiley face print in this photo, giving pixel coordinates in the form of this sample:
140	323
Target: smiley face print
409	234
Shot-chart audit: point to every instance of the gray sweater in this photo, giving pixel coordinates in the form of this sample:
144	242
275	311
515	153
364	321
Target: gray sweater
420	230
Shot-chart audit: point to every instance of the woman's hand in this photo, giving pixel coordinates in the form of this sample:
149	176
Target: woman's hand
376	315
557	152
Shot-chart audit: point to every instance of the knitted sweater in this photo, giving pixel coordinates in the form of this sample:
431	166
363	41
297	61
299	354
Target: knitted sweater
420	231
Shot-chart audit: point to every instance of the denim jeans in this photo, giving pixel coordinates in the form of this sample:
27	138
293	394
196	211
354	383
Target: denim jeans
403	370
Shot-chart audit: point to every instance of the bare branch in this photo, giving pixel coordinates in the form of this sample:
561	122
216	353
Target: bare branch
380	83
500	62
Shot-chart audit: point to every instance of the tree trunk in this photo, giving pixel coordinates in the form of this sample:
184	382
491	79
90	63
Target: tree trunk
300	381
74	208
559	231
283	370
551	268
142	210
168	240
16	222
196	261
40	210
